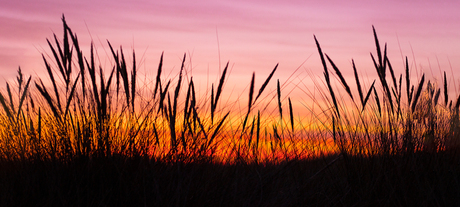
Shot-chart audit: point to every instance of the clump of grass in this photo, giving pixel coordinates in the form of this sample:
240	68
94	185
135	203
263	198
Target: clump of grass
85	110
390	126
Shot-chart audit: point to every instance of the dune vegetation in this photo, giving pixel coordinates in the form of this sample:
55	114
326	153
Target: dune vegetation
88	136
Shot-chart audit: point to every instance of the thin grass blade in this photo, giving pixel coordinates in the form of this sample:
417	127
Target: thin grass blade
446	96
417	94
278	90
342	79
291	115
158	79
368	95
327	78
265	83
358	84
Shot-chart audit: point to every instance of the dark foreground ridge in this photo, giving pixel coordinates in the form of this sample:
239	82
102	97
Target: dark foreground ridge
409	180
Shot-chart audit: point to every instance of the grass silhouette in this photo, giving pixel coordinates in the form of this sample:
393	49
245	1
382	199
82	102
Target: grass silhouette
94	136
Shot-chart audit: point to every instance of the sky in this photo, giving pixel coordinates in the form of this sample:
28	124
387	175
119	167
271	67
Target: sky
253	35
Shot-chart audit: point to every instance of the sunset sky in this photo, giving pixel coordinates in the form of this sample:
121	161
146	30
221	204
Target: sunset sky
252	35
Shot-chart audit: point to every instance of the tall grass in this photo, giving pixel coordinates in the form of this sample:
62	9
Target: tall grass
386	122
84	110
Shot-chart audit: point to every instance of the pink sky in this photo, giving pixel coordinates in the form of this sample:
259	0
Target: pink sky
253	35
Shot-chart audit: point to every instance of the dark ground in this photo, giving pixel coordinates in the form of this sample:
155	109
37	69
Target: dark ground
409	180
